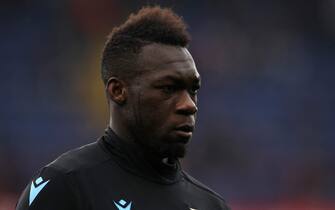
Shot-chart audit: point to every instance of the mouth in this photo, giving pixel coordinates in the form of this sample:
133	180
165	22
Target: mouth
185	131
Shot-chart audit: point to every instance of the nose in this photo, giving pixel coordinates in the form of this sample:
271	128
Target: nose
186	104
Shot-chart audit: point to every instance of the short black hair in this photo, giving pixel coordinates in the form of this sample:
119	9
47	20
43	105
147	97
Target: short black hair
148	25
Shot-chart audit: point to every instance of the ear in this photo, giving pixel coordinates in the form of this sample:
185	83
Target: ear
116	90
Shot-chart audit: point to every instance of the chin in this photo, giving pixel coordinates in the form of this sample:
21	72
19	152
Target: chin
173	150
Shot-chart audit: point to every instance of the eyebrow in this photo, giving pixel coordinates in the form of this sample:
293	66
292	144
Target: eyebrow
177	79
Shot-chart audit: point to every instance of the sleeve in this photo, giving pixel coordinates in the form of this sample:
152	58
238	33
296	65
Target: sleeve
48	190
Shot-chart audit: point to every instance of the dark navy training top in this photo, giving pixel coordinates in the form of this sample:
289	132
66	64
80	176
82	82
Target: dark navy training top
111	174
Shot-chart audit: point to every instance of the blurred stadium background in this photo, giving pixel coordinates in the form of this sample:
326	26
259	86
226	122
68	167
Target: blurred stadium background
265	136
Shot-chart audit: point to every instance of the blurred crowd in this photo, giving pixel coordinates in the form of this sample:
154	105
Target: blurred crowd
266	123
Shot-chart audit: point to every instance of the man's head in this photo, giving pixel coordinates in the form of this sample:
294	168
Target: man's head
151	81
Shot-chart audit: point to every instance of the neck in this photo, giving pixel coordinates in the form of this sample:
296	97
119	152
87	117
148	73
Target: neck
128	135
148	154
132	156
117	124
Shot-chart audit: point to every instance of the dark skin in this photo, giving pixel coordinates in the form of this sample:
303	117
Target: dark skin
157	109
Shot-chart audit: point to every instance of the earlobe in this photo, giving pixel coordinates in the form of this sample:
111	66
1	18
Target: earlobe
116	90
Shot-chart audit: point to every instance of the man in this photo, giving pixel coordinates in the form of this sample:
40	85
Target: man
151	82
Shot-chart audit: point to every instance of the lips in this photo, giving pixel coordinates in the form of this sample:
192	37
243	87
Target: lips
185	128
184	131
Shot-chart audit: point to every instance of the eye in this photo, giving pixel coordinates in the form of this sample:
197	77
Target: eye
194	90
168	89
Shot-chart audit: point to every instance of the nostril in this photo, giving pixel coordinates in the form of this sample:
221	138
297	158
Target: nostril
193	110
190	110
186	104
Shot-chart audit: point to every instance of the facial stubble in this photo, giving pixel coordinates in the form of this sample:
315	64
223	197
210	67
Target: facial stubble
163	148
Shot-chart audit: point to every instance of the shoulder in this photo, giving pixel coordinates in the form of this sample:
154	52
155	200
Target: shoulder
54	185
49	189
86	156
215	197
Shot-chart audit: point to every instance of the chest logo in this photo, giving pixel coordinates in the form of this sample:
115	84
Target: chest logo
36	188
122	205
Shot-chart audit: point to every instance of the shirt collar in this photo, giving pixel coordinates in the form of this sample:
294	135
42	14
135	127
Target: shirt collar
135	159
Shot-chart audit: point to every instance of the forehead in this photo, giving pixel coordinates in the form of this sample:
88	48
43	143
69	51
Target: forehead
159	60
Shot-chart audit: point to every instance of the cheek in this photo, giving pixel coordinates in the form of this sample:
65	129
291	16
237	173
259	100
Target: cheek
155	113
